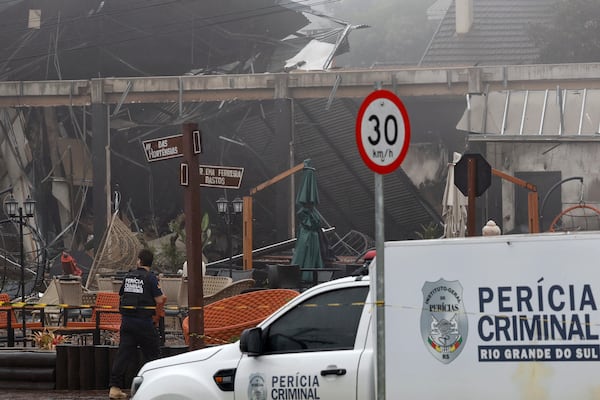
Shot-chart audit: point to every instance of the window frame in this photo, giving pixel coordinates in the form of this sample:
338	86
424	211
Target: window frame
331	299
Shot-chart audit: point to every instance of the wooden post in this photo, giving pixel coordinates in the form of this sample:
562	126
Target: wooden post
472	183
193	236
247	227
533	212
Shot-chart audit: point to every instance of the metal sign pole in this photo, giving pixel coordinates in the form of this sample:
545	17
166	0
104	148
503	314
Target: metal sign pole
379	249
382	137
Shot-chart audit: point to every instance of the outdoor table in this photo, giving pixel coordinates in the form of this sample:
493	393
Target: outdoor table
65	312
65	329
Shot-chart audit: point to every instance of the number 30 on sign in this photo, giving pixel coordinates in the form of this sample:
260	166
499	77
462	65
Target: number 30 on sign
382	131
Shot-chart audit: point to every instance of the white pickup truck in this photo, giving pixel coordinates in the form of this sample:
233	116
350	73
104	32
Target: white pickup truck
506	317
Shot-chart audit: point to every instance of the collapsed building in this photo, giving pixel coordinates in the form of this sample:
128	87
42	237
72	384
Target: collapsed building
78	179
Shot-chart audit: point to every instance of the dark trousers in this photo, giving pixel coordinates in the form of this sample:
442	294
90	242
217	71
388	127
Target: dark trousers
134	332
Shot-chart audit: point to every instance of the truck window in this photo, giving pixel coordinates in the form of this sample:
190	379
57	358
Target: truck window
327	321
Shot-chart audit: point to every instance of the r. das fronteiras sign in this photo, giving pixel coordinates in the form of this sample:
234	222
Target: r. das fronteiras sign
163	148
220	176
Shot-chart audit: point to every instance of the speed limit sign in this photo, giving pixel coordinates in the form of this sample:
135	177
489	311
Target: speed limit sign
382	131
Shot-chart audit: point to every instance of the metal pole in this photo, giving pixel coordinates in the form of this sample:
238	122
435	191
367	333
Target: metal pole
228	221
22	255
380	279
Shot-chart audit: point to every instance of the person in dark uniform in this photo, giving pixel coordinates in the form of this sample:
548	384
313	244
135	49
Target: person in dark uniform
140	293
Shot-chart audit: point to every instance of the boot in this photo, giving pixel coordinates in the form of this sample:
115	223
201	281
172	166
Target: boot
116	393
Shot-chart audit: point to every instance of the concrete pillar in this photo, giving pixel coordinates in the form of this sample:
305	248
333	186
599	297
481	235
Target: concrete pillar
100	161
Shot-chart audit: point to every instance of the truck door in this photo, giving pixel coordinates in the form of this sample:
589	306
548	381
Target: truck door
310	351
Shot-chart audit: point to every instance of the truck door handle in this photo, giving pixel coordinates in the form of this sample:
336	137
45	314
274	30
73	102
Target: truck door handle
335	371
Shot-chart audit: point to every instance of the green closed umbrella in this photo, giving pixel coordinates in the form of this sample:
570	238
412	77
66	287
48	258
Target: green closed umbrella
307	253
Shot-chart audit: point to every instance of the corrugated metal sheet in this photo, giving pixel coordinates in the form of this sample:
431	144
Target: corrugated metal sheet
346	185
544	113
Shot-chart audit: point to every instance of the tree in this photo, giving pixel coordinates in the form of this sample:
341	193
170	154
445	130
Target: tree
572	36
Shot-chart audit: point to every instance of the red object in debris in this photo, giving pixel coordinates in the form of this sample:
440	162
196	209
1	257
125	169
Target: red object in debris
69	265
369	255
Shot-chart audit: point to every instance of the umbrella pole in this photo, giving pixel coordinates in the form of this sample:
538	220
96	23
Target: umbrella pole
230	247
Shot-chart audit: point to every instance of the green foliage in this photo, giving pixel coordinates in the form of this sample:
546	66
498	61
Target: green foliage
206	232
173	252
573	35
430	231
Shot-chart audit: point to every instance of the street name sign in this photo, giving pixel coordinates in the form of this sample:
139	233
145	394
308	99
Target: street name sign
221	176
382	131
163	148
169	147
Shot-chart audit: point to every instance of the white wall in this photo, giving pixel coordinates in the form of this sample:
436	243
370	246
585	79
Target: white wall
571	158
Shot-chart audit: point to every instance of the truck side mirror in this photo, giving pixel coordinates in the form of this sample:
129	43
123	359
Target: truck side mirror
251	342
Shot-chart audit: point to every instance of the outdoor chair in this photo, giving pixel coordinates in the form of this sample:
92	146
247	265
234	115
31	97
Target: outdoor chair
233	289
182	295
49	299
170	287
69	291
104	283
116	284
210	286
225	320
105	317
6	312
213	284
70	294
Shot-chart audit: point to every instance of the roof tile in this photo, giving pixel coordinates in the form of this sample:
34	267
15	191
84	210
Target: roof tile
499	34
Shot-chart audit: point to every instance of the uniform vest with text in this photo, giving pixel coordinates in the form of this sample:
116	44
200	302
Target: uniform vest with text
137	297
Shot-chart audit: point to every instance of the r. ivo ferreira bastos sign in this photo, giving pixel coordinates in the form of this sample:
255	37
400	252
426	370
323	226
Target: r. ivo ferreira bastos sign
220	176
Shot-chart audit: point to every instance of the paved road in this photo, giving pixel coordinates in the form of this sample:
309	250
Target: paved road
55	395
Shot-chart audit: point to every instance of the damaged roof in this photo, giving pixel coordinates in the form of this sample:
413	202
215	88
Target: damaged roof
93	38
79	39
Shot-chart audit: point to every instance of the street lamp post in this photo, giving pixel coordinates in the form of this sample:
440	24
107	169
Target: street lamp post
228	210
20	214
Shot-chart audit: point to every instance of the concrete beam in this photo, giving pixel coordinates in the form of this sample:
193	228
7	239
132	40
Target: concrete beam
409	82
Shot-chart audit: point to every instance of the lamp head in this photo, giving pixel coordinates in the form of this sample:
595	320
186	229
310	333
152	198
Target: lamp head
238	205
29	206
222	204
11	207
